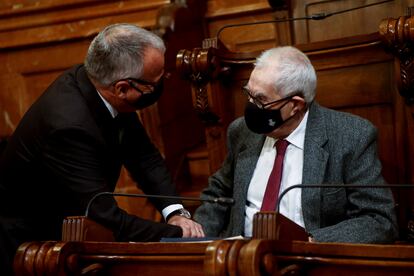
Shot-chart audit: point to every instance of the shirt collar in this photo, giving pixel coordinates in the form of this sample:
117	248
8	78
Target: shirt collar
111	109
296	138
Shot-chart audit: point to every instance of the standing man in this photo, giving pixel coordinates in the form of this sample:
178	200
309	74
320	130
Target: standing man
71	143
286	138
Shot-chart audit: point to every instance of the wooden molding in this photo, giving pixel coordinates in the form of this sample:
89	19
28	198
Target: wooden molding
236	11
58	22
198	65
109	258
222	257
398	35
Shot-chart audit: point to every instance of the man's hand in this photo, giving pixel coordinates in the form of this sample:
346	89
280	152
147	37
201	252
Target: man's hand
191	229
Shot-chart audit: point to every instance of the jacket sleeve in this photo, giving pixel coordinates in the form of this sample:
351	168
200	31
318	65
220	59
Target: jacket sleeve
215	217
74	157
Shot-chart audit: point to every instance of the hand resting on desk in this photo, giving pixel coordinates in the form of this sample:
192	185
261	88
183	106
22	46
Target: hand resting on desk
191	229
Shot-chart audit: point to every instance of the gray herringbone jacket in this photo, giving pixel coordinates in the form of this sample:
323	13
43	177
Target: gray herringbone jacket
339	148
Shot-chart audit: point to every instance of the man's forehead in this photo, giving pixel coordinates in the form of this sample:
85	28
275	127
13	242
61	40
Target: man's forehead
261	77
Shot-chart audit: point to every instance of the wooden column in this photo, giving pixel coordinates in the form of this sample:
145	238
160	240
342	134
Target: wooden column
398	36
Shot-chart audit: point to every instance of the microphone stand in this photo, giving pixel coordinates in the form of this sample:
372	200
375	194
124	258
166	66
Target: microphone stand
274	225
346	186
219	200
81	228
318	16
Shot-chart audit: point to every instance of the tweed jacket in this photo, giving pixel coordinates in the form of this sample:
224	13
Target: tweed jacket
339	148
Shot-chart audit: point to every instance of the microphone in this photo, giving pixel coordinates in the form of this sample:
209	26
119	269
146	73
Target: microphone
382	186
274	225
218	200
317	16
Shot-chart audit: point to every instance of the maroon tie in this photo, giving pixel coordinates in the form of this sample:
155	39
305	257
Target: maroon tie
273	184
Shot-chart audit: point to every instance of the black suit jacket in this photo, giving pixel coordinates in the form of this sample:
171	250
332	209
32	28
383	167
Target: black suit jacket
67	148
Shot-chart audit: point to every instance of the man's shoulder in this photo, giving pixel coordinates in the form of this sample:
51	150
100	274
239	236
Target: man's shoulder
62	103
237	123
341	119
340	126
238	127
238	133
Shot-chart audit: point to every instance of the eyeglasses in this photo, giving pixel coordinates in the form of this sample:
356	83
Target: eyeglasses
257	102
145	87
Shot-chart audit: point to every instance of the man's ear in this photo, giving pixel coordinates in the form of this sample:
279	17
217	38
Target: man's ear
121	88
299	104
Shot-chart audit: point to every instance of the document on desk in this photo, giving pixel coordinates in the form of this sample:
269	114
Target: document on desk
205	239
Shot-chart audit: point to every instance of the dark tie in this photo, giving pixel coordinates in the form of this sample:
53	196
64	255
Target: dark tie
273	184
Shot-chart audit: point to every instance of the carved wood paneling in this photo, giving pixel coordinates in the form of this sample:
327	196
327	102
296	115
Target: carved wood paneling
398	36
357	22
265	257
39	40
28	23
259	37
223	257
247	38
107	258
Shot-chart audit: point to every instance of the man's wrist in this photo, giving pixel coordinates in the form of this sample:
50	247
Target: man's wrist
179	212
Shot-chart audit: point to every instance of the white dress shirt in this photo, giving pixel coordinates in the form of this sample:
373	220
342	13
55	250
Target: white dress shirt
291	205
170	208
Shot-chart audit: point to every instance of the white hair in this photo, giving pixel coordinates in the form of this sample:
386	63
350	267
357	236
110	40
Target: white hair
291	71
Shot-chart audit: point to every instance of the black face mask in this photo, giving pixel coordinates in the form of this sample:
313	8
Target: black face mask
148	99
261	120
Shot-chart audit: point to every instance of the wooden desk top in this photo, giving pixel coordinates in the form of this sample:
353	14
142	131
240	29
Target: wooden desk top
114	258
222	257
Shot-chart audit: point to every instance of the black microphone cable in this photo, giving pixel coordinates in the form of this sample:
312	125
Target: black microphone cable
218	200
345	186
317	16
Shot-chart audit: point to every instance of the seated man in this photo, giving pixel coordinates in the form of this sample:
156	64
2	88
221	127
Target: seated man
71	143
311	145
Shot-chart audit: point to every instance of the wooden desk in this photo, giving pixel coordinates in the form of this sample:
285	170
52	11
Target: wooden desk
224	257
110	258
266	257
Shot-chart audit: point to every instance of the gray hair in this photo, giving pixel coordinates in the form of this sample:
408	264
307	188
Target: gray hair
117	52
291	70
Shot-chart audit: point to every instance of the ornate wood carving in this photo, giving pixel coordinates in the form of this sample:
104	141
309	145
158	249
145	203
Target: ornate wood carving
109	258
266	257
199	65
398	34
222	257
203	68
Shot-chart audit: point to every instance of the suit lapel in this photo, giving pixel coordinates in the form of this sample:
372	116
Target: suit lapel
106	124
245	166
97	108
314	165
